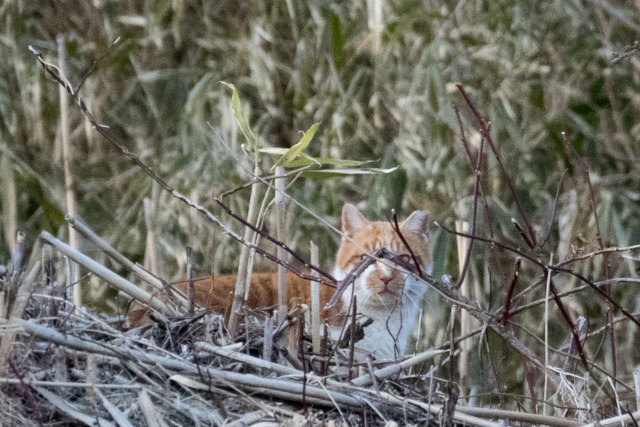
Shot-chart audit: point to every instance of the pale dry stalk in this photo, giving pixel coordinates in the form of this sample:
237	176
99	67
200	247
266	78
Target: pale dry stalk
315	302
465	318
70	196
243	272
281	235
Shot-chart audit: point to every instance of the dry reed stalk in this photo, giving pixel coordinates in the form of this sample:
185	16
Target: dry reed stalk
107	275
375	23
315	302
620	420
247	359
73	384
465	318
281	235
190	275
70	410
18	305
267	344
151	414
267	386
537	419
9	202
636	384
118	416
546	338
243	273
70	196
436	410
150	262
88	234
388	371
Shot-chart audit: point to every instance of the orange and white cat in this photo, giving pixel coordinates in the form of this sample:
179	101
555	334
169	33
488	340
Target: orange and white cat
383	293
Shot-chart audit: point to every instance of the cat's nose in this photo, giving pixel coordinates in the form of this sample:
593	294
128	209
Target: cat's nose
386	279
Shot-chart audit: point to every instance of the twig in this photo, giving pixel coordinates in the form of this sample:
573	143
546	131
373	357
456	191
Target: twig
9	201
626	52
519	416
555	269
150	248
267	344
396	228
598	252
486	134
436	409
463	250
509	291
636	385
325	279
487	211
605	262
352	333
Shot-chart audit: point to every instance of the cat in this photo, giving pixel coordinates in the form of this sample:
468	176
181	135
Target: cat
388	297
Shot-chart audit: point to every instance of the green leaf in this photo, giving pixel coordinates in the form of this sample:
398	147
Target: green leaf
293	152
335	163
197	92
242	115
338	172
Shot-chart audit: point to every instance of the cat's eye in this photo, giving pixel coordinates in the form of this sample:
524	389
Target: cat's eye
405	257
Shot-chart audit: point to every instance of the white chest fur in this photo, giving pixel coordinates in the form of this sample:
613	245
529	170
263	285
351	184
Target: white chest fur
393	321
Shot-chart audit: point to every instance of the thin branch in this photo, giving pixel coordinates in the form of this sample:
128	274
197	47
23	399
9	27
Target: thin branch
509	291
327	280
486	134
605	261
599	252
396	228
556	269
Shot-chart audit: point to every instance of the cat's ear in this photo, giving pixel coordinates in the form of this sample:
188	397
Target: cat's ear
416	222
352	219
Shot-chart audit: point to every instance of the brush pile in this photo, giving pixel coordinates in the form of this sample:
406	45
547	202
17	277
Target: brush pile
63	363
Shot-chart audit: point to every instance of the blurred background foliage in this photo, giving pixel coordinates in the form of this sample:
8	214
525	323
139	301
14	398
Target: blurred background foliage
379	76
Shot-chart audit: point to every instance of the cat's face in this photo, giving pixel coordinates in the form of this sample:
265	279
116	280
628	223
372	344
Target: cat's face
381	285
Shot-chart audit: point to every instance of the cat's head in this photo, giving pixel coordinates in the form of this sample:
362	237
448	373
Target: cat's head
381	285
